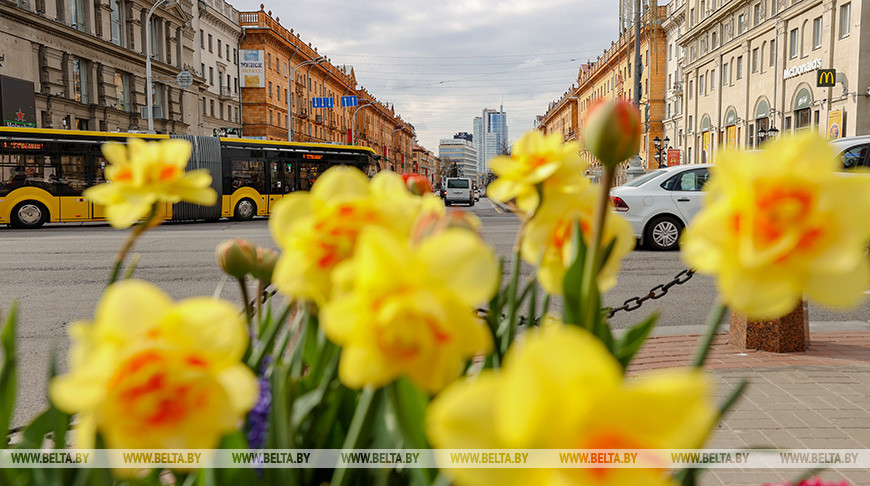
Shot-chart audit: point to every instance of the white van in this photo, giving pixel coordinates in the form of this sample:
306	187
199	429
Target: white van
459	190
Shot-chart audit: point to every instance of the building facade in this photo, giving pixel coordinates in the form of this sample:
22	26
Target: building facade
216	24
673	132
426	164
752	68
310	108
462	152
86	61
490	136
611	76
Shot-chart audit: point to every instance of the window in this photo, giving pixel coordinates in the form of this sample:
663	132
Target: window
793	44
228	52
702	86
670	51
739	67
802	119
204	111
80	80
755	60
690	89
715	40
220	50
712	80
741	23
725	74
77	14
156	40
692	16
159	101
235	56
211	75
211	105
772	52
270	89
854	156
201	39
845	19
115	19
729	31
202	69
122	91
817	33
703	9
756	14
209	43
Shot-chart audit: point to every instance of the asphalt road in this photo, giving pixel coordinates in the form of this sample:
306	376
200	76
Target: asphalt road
57	274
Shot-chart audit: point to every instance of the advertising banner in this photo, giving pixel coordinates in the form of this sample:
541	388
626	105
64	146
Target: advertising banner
835	124
252	67
673	157
17	102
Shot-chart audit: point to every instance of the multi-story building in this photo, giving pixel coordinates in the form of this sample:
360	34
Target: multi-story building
673	132
611	76
490	136
426	164
752	69
281	74
216	24
86	62
461	152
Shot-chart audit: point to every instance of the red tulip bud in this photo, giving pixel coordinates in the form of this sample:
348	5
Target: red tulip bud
612	131
417	184
265	265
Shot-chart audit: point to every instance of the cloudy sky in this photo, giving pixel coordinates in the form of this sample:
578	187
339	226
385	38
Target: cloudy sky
441	62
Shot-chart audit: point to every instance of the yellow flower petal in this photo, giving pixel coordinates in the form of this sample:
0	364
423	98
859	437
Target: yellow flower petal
459	259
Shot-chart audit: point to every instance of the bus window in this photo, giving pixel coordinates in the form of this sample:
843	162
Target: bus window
308	173
249	173
31	169
72	170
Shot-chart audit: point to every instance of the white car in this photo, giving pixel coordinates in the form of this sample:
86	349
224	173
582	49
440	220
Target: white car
854	151
659	204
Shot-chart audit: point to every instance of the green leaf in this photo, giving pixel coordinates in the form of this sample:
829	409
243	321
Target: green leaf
409	405
269	335
572	284
8	371
626	347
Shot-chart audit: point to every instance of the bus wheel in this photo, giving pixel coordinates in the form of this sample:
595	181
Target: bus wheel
29	215
245	210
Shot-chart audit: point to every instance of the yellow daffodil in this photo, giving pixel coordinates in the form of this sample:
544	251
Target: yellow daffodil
141	173
149	373
318	230
536	161
408	310
547	237
780	224
559	388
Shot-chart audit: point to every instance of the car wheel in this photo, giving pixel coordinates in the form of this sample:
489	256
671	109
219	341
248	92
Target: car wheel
29	215
663	233
245	210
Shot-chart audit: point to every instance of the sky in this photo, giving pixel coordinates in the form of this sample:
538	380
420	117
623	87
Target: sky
441	62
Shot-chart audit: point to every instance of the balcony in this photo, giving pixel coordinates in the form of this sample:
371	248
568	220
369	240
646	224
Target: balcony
226	93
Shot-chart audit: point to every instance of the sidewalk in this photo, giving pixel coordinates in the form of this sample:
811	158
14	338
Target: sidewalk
818	399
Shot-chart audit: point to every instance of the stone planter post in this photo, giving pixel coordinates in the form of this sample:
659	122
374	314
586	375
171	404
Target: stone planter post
787	334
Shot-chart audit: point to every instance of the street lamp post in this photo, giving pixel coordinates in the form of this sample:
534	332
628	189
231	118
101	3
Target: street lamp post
353	123
660	146
148	81
290	93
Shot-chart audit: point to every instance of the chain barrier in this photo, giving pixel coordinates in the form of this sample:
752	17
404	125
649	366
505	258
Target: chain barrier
656	292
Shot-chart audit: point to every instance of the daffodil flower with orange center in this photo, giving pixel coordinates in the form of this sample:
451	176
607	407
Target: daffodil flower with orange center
149	373
409	310
547	237
537	161
316	231
781	224
142	173
560	388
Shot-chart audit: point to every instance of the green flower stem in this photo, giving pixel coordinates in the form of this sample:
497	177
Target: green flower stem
138	231
260	289
714	320
533	303
544	309
246	302
512	299
358	425
589	292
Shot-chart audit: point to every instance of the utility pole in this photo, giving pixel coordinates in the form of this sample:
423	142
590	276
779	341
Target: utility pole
634	166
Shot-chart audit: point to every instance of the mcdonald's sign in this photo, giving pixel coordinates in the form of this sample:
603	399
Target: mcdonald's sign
826	78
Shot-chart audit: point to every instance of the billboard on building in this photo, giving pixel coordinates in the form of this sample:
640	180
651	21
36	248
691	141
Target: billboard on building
17	102
835	124
673	157
252	66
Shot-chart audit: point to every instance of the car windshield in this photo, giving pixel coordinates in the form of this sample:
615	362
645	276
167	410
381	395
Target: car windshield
457	183
643	179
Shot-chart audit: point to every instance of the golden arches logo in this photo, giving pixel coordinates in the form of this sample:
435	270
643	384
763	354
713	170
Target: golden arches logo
826	77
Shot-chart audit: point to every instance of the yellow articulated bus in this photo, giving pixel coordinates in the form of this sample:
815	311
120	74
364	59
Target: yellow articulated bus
43	173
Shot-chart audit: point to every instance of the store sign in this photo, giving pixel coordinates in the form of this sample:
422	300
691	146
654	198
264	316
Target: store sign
252	67
673	157
17	102
802	69
826	78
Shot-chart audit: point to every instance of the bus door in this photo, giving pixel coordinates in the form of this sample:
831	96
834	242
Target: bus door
76	174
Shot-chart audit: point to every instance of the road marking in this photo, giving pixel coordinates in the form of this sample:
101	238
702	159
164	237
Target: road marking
493	205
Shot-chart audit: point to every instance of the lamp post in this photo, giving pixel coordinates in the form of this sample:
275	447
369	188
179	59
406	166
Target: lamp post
148	81
660	146
353	123
290	94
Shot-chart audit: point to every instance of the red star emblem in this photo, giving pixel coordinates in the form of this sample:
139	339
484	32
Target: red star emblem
20	115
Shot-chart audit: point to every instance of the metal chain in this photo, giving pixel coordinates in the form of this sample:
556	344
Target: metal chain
656	292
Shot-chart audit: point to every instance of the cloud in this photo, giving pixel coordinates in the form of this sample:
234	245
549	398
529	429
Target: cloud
441	62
